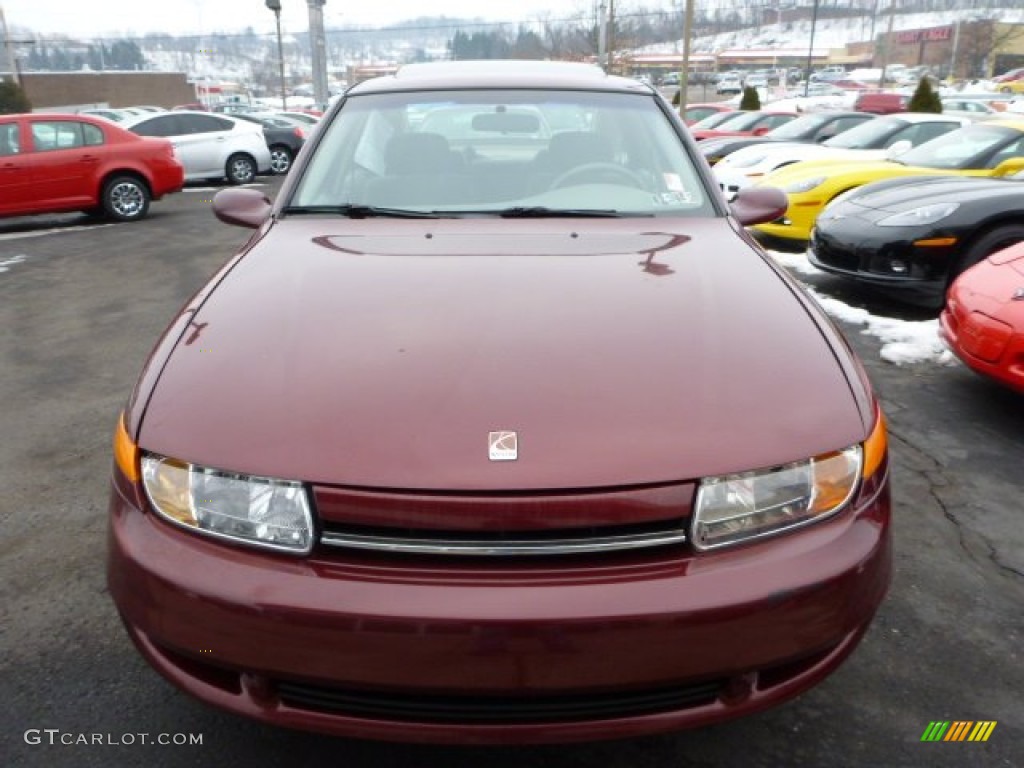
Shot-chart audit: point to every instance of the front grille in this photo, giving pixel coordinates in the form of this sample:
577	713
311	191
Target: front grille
505	543
830	255
498	709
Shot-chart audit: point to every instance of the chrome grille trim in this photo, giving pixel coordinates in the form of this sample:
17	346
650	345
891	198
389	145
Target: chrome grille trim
503	547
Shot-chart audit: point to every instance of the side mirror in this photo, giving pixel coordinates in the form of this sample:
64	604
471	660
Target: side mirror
898	149
761	131
242	207
757	205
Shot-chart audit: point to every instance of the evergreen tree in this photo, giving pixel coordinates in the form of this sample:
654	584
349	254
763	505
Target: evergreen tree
13	99
750	100
925	99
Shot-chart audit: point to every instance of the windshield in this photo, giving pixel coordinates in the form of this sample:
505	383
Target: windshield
873	133
713	121
799	127
976	146
514	152
739	121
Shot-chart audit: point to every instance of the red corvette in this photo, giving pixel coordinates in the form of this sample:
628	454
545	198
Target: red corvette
51	163
747	123
983	321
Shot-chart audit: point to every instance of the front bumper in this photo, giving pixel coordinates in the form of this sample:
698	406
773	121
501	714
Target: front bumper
509	652
981	340
918	274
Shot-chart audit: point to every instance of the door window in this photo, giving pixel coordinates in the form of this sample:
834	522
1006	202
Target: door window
9	144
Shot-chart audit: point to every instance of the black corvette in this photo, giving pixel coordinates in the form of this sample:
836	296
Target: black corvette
811	128
912	236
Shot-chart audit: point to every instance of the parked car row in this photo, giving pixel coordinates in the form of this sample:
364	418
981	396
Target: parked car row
209	146
937	225
874	139
196	138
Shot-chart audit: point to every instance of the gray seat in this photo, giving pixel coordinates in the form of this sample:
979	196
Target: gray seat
421	170
410	153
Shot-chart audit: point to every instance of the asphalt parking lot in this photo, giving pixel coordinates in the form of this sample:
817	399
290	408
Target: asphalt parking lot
82	303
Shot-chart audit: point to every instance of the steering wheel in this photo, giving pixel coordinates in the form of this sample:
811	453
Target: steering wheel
598	173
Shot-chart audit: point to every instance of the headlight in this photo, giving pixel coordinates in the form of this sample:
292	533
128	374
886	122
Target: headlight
251	510
803	186
926	214
746	506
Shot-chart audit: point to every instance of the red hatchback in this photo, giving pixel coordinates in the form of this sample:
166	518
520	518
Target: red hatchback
494	432
983	321
50	163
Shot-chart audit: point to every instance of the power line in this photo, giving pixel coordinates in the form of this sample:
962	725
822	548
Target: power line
342	31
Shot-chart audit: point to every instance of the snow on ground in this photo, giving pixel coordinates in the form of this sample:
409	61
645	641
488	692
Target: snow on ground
903	341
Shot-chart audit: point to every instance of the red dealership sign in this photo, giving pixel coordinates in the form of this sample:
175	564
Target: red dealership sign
930	35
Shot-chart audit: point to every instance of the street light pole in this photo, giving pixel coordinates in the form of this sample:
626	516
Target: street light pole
275	6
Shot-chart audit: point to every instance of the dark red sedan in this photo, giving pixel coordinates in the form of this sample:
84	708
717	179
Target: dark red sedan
51	163
983	320
499	433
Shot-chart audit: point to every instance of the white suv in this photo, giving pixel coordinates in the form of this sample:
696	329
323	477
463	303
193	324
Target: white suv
209	146
729	84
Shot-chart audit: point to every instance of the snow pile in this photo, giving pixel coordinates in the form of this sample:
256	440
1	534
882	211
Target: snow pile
794	262
903	341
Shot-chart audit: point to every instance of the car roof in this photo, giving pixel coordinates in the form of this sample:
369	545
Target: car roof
448	75
925	117
131	120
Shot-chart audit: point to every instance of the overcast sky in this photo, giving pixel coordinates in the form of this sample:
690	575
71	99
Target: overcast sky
86	18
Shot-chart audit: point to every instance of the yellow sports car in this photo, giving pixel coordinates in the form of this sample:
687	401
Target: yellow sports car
988	149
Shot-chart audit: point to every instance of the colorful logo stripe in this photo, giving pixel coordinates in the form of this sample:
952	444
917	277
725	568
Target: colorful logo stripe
958	730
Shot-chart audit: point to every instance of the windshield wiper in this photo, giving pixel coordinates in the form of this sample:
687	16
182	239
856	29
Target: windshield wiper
354	211
543	212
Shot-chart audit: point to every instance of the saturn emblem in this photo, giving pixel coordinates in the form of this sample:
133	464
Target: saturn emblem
503	446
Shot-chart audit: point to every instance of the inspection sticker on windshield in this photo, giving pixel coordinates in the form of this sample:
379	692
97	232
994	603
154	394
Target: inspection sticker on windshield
503	446
673	182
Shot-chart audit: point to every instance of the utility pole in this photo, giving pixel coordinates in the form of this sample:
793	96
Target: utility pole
611	36
888	43
318	45
684	71
275	6
602	36
810	50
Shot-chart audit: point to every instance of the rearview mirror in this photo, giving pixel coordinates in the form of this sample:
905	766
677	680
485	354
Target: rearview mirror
506	122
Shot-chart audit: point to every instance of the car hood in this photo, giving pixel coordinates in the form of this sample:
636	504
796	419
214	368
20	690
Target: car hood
839	172
382	353
905	195
777	152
